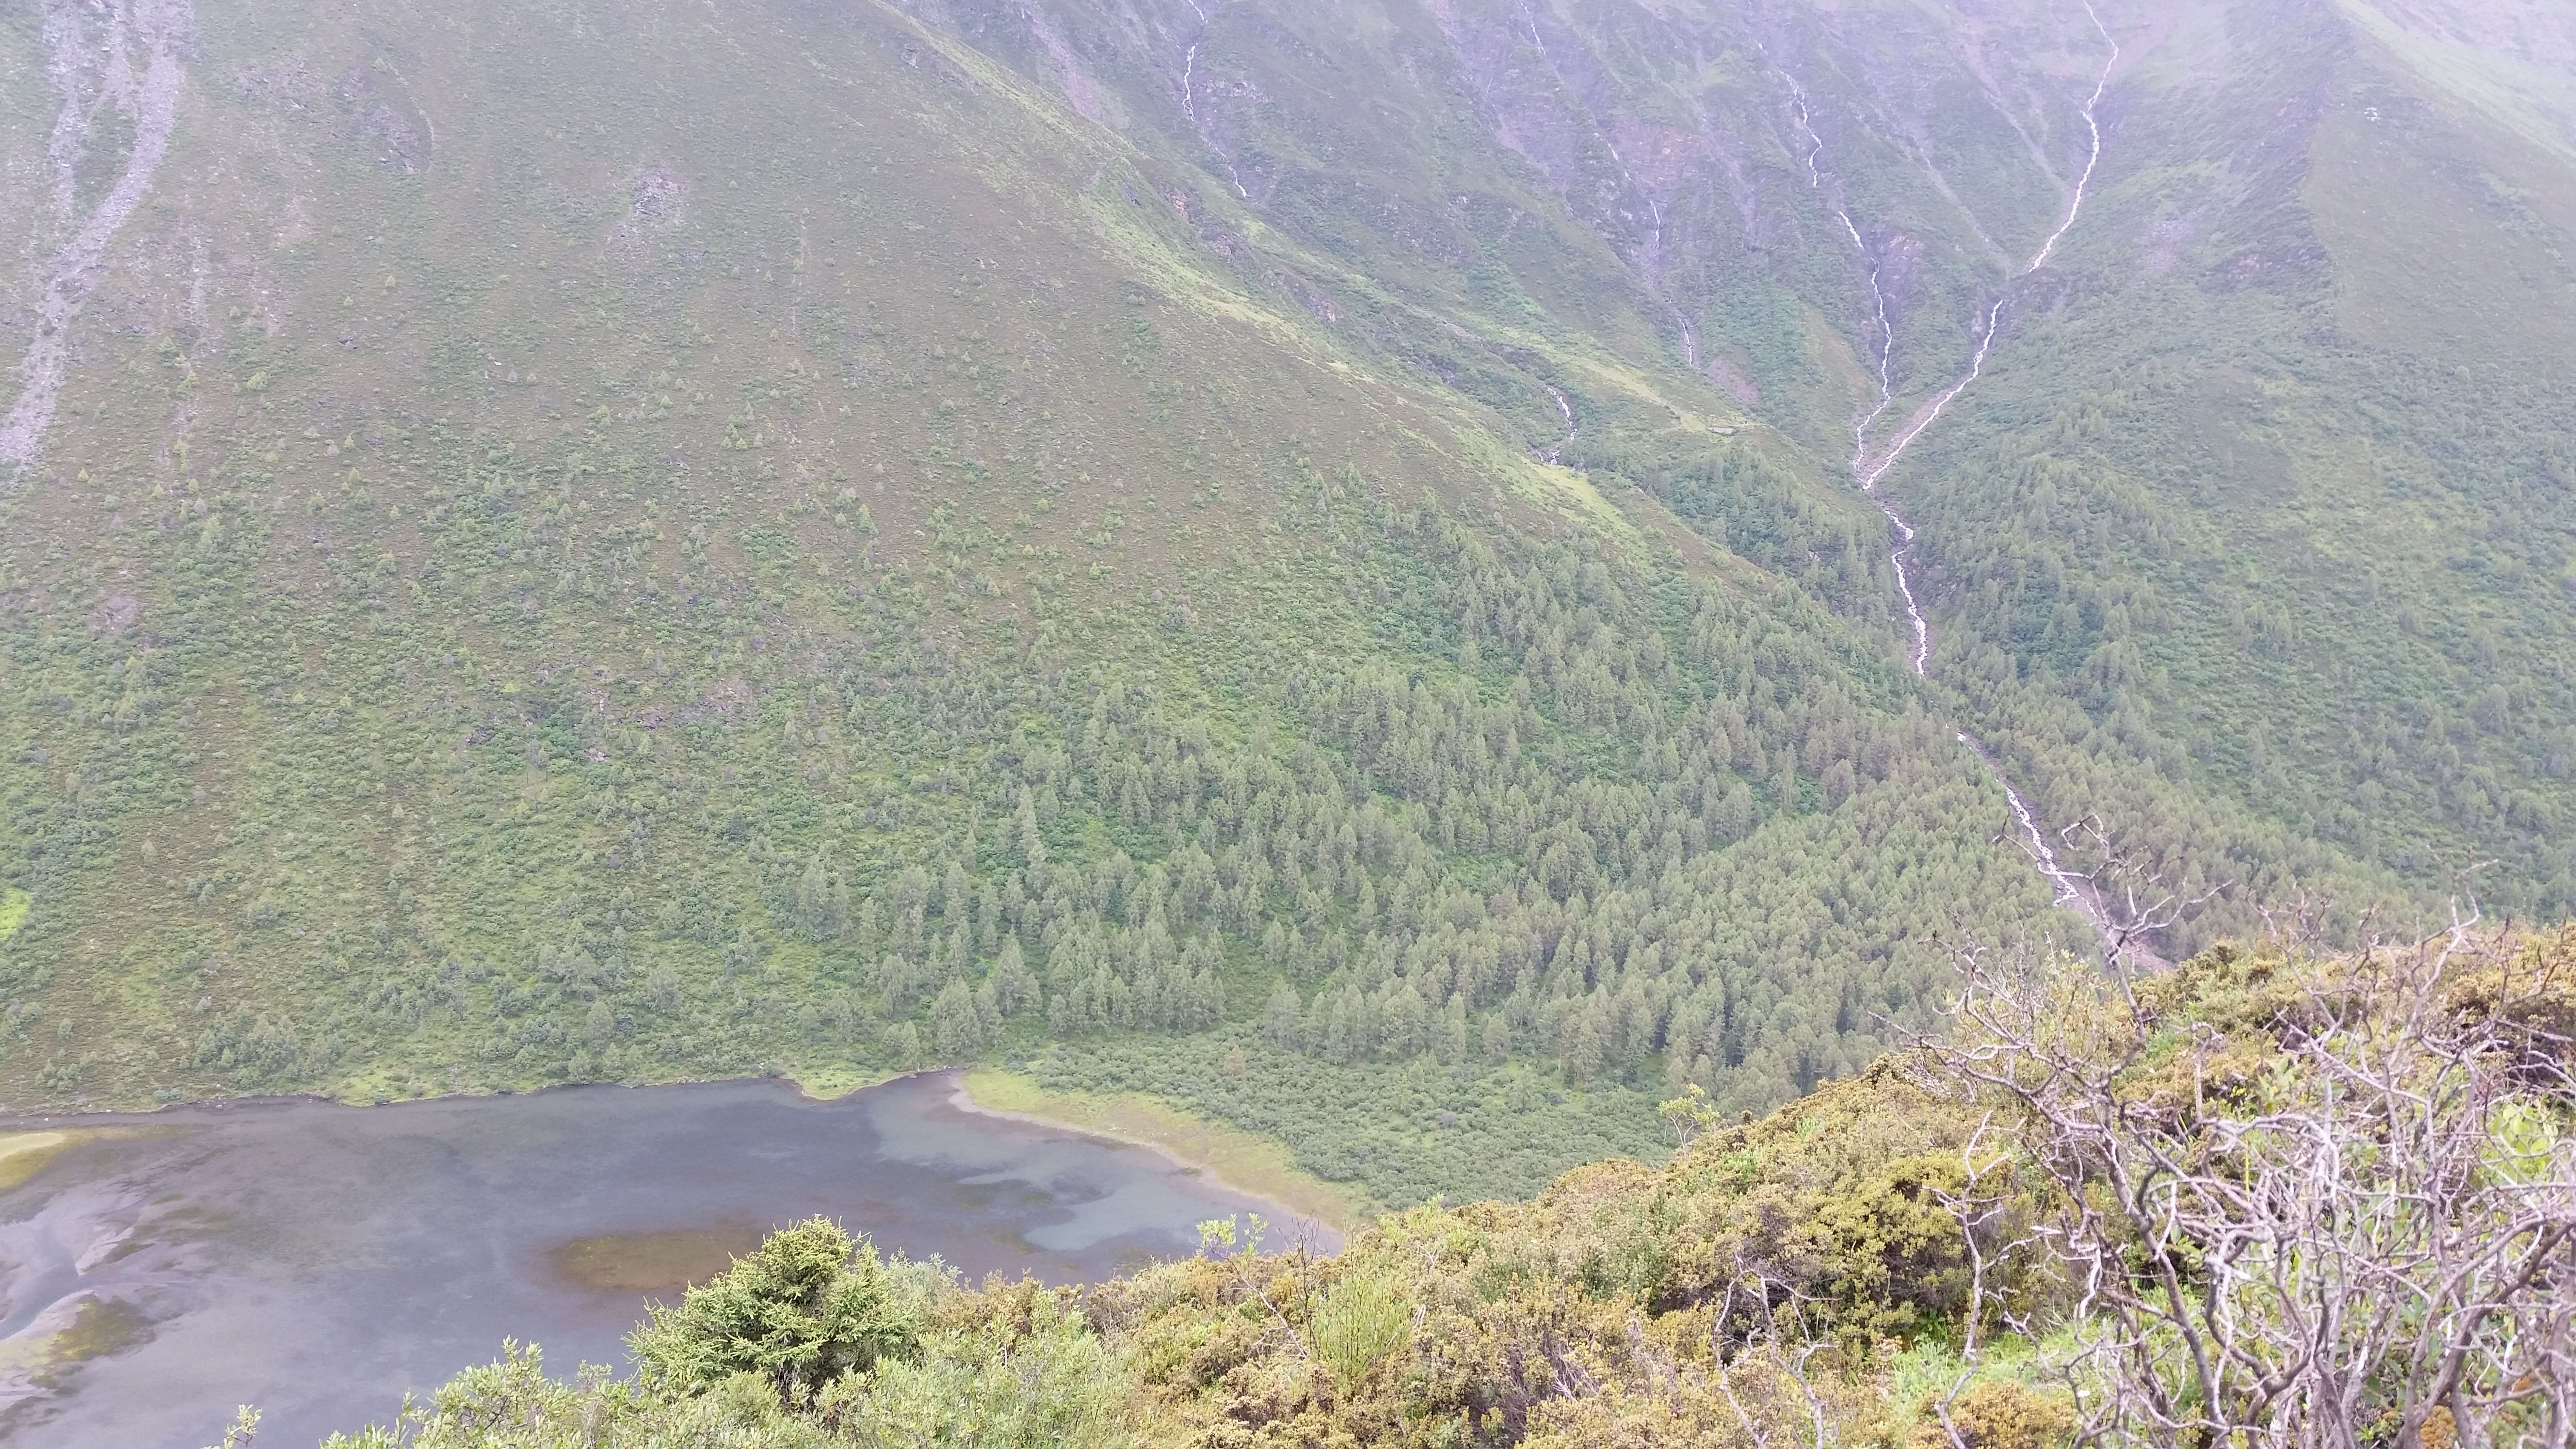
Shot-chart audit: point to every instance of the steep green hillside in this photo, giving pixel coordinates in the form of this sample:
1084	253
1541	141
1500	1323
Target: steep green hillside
647	541
2245	538
2266	514
631	545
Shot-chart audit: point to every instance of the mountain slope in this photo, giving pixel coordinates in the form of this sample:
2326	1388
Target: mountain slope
2176	506
637	544
1305	557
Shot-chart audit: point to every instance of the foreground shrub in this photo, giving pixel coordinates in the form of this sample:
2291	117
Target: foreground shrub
2254	1201
808	1306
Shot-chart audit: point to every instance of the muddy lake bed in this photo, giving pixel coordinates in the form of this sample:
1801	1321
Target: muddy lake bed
321	1260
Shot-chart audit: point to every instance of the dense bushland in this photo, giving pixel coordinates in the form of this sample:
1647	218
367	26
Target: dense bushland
2265	1194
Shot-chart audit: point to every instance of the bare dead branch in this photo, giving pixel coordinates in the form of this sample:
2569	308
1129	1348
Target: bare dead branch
2335	1208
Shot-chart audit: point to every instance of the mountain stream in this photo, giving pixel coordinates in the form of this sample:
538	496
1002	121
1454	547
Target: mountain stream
2075	889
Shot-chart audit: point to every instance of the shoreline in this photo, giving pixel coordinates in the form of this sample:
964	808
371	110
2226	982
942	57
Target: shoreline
15	1121
1310	1212
24	1154
1305	1224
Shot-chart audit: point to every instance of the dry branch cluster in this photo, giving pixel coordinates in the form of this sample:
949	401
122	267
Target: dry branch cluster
2297	1201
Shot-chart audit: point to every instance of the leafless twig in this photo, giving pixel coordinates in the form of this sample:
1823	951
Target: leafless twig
2341	1216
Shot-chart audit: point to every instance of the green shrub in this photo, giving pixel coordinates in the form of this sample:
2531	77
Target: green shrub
1357	1324
806	1307
1000	1384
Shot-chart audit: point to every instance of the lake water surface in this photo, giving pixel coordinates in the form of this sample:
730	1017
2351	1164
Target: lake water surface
319	1260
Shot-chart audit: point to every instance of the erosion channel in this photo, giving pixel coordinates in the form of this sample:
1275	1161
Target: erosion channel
2075	890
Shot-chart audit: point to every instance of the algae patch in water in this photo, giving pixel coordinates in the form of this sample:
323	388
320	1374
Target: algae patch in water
98	1328
642	1262
103	1326
24	1154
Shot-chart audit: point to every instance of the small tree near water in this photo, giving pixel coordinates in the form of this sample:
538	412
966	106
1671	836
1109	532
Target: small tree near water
804	1308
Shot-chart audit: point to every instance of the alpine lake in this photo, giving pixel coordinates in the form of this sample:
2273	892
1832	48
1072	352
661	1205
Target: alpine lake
320	1260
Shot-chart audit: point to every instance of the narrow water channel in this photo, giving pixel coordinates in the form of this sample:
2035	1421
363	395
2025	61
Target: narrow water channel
2074	889
320	1260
